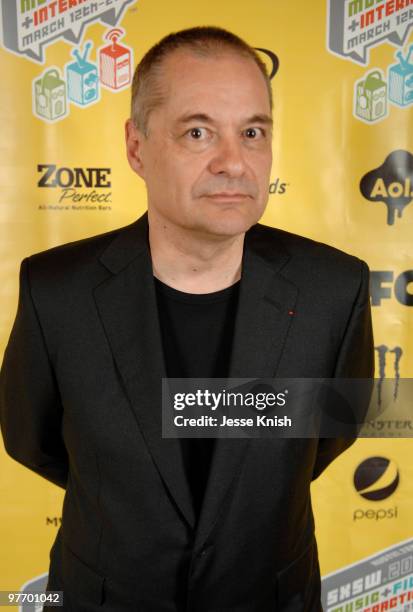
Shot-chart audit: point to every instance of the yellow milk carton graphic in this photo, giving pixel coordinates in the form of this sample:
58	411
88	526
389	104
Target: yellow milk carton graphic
50	95
371	97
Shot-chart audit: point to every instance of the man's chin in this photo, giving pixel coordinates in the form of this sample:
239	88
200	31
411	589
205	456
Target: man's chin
227	223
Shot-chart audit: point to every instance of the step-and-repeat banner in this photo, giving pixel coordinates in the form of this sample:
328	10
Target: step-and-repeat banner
342	76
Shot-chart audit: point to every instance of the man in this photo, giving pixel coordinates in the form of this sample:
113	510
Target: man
196	287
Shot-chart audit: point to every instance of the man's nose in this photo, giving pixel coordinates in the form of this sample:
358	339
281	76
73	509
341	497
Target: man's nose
228	157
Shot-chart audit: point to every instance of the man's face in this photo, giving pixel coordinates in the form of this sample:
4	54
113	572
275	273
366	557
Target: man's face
207	159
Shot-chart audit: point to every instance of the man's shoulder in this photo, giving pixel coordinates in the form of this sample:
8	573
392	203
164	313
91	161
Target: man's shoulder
84	247
302	248
78	263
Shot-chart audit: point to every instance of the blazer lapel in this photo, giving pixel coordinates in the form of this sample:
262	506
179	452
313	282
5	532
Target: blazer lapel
263	319
127	306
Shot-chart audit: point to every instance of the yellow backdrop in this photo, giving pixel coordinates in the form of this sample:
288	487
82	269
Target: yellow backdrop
342	174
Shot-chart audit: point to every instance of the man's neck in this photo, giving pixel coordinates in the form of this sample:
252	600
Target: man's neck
191	261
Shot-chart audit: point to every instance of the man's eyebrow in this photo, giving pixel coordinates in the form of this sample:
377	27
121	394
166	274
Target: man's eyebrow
260	118
204	118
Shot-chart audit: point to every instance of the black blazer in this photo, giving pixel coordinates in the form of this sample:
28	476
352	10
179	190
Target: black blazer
80	399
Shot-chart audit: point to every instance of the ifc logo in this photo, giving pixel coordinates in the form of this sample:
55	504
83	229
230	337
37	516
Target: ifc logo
376	478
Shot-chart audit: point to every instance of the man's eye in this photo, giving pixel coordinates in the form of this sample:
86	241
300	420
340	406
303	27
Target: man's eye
253	133
196	133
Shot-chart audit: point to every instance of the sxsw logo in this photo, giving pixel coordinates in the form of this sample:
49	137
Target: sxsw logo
30	26
355	26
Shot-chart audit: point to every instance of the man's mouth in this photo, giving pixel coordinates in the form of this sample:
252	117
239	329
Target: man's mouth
225	195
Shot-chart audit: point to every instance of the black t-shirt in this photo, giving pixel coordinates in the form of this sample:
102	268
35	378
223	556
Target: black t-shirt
197	331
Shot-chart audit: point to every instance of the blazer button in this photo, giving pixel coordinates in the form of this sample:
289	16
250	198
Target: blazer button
205	550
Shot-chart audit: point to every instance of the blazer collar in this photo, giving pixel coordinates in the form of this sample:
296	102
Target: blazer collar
262	242
126	302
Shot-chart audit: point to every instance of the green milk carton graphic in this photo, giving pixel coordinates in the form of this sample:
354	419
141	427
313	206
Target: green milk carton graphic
50	95
371	97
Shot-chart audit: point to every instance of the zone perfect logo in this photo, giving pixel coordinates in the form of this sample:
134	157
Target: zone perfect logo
391	183
79	188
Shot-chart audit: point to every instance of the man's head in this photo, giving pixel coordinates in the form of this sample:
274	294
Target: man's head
201	126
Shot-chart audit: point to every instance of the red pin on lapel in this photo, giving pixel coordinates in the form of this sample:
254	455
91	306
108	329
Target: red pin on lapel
291	313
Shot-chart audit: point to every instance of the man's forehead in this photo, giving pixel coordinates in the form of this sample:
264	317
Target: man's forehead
177	64
183	84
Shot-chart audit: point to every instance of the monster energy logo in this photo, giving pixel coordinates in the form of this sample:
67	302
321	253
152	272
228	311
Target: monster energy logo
383	351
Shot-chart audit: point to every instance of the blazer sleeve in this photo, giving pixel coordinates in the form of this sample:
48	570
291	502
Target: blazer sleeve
30	405
355	360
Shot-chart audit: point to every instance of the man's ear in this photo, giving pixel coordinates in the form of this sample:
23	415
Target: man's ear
134	138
